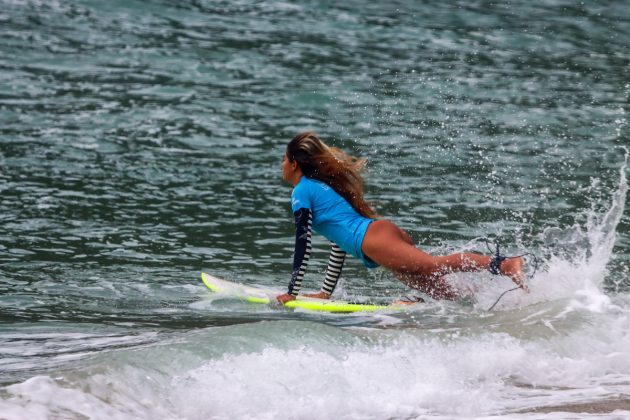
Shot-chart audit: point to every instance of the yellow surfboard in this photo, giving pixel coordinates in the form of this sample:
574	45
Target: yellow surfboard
265	296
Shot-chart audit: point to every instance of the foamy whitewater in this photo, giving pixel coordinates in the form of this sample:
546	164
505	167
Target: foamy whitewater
560	351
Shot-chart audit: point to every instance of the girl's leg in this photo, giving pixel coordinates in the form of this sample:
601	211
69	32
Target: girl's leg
437	288
391	247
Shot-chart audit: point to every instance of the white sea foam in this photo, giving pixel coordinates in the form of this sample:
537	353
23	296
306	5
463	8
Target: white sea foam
409	374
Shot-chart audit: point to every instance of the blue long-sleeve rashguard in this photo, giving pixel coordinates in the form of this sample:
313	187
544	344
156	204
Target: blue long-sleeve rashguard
316	205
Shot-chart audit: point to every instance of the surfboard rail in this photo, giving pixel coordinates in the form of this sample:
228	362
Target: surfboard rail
261	295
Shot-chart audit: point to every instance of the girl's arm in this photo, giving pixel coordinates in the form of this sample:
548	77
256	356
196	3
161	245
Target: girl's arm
333	272
302	253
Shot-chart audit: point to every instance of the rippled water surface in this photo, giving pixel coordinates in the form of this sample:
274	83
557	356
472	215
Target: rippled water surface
140	144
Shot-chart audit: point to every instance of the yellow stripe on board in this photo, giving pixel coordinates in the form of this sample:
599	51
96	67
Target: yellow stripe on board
253	299
332	306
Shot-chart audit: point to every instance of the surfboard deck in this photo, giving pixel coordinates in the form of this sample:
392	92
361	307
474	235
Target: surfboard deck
262	295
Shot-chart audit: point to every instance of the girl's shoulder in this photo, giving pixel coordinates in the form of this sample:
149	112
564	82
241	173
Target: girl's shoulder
312	185
302	194
312	188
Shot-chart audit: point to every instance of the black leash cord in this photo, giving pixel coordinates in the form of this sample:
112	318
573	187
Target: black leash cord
499	298
501	258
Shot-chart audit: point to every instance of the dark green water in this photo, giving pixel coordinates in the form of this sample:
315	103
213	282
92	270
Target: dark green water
141	141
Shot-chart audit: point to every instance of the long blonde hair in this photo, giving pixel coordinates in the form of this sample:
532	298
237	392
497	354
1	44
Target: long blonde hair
332	166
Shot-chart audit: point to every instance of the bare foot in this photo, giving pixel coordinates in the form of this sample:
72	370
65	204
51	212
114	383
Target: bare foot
513	268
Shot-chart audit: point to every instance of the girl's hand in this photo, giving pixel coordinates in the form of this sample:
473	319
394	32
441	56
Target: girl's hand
318	295
285	298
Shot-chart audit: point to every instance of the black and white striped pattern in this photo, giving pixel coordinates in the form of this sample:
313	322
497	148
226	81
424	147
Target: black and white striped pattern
303	233
333	271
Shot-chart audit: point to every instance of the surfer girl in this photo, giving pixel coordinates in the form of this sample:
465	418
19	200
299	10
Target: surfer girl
328	197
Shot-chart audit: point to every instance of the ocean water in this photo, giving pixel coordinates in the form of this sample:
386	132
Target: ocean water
140	144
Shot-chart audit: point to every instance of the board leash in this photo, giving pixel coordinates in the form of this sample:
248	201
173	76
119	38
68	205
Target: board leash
497	259
495	264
